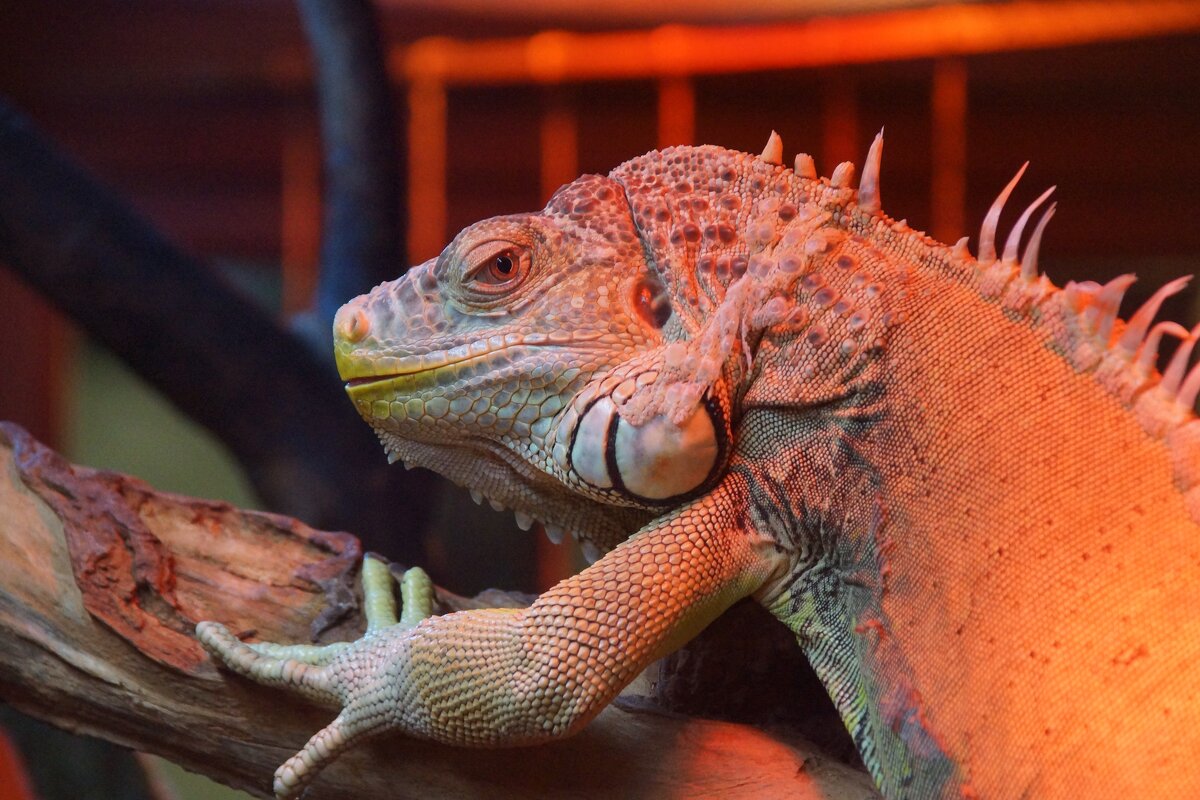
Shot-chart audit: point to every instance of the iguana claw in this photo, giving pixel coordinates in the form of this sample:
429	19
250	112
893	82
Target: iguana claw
343	674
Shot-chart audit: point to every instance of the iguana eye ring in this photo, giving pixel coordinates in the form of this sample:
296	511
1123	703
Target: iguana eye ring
499	270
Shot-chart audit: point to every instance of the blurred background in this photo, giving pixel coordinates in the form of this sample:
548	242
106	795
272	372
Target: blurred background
203	116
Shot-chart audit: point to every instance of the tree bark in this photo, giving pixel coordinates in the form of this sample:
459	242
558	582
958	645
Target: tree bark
102	580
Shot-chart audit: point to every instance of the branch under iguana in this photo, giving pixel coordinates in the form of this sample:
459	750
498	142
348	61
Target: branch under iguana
102	579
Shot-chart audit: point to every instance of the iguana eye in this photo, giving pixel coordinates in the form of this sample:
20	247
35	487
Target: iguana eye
500	269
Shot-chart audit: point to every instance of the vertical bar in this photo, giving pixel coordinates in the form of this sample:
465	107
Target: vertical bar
37	344
676	111
300	215
426	169
559	143
839	122
14	775
948	105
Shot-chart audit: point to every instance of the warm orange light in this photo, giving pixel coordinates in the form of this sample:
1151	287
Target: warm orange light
426	169
558	56
676	111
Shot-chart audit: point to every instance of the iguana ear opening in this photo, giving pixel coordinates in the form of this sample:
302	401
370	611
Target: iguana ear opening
651	302
655	462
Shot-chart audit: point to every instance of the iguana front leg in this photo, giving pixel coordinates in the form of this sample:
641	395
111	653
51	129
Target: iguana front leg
499	677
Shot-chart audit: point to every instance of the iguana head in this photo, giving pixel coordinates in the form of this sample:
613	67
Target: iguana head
500	364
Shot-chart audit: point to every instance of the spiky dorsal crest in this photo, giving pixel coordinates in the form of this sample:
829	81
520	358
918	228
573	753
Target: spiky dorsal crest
1080	320
773	152
868	186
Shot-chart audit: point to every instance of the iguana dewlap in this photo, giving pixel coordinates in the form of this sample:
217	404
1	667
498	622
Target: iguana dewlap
968	492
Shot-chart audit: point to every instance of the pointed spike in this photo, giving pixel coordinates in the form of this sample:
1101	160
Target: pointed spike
843	175
524	521
1081	294
1013	243
1191	387
477	496
987	234
1173	376
590	551
392	458
1149	354
960	250
1102	313
554	533
868	186
1090	288
1139	323
1029	264
495	504
805	166
773	152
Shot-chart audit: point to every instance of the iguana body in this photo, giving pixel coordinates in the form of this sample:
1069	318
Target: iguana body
967	491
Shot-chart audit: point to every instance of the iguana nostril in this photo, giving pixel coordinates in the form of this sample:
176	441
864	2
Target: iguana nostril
351	324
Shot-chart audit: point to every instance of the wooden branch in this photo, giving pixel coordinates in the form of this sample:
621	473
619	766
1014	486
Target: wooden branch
102	579
217	356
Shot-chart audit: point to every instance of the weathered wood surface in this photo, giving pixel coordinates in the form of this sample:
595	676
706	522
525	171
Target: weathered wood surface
102	580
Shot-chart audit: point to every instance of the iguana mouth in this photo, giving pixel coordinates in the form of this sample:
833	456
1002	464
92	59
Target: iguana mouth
355	382
423	363
416	377
426	369
458	357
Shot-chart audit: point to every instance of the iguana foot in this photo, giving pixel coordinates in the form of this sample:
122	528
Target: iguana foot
345	674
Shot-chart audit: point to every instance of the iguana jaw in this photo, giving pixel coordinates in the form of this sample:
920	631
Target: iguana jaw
567	426
495	474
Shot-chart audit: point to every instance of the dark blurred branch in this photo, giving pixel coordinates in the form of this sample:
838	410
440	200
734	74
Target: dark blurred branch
217	356
361	236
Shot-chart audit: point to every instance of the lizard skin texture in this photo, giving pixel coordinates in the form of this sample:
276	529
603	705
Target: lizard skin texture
969	493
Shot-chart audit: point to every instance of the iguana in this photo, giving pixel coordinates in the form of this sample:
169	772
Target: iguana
968	492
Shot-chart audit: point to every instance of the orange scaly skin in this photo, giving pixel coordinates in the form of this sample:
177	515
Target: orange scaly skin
968	492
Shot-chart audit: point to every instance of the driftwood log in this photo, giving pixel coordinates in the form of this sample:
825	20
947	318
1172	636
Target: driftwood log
102	579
